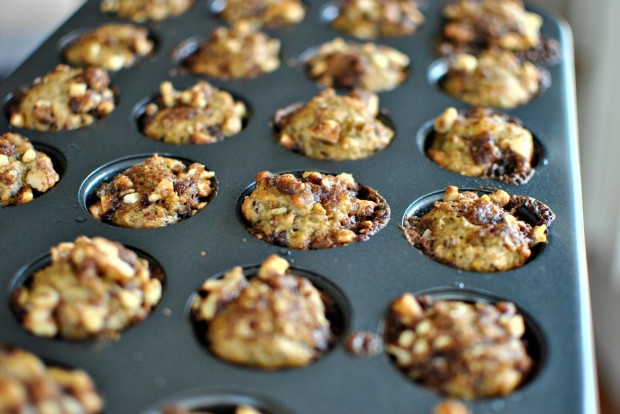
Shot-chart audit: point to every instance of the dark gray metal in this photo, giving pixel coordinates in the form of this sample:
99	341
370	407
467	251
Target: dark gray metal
161	358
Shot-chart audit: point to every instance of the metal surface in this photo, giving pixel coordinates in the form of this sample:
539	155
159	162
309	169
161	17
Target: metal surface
161	359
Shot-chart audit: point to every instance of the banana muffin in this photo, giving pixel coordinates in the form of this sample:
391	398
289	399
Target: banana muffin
495	78
474	25
369	19
201	114
24	171
342	64
28	385
336	127
488	233
111	47
65	98
268	13
465	350
238	52
93	288
154	193
143	10
273	320
480	142
313	211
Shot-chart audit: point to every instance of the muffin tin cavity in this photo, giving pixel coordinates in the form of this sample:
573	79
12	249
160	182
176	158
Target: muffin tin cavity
337	308
88	192
532	337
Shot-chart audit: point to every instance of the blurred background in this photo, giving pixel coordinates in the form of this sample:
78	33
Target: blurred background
25	24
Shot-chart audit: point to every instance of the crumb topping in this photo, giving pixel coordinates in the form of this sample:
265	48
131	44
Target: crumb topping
269	13
143	10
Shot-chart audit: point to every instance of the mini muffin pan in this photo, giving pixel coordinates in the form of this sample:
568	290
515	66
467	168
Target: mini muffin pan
161	361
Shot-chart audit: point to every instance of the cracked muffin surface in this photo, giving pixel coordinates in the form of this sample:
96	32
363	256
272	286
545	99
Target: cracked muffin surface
65	98
235	53
201	114
268	13
481	142
273	320
342	64
495	78
24	171
143	10
369	19
336	127
465	350
154	193
93	288
314	211
111	47
474	25
28	385
488	233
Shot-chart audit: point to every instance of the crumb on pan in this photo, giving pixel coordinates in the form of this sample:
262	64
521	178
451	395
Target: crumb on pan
366	19
24	171
480	142
93	288
465	350
273	320
314	211
28	385
342	64
154	193
487	233
235	53
65	98
112	47
336	127
200	114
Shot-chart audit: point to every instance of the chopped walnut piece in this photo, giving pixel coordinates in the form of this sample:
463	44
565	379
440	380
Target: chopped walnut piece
342	64
462	349
24	171
331	126
65	98
481	142
487	233
271	321
93	288
238	52
28	385
366	19
111	47
315	211
201	114
167	191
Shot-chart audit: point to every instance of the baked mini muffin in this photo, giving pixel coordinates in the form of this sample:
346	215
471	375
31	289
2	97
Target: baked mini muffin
154	193
27	385
496	78
201	114
238	52
481	142
273	320
93	288
65	98
369	19
24	171
269	13
242	409
111	47
314	211
474	25
142	10
466	350
336	127
488	233
368	66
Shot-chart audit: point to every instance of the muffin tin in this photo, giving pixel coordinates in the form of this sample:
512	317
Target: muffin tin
161	360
